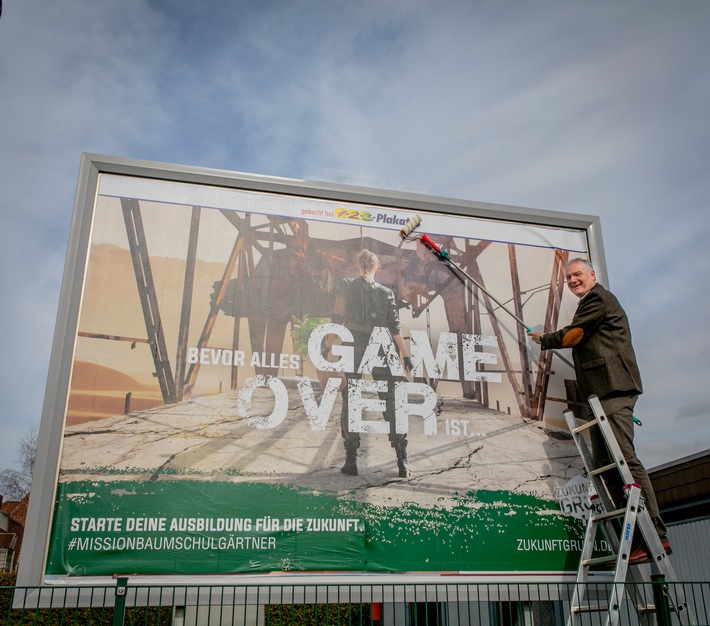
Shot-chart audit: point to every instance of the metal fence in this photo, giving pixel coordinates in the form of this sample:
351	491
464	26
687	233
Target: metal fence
129	603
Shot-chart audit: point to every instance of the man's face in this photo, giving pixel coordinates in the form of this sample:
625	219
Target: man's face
579	279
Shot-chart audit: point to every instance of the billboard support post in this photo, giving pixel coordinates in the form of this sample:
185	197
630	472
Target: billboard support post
119	607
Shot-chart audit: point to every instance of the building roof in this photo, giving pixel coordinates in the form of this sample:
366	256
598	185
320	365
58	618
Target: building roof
683	487
16	510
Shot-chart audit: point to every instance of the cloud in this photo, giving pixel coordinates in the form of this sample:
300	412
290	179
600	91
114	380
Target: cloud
597	109
693	411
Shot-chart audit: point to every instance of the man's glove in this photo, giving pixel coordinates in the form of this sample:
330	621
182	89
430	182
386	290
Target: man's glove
408	363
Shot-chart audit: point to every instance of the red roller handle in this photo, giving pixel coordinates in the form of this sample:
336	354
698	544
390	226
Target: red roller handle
428	242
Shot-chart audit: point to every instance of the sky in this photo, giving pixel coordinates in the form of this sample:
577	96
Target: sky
599	108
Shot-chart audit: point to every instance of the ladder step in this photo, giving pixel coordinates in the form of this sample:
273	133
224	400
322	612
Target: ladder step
590	608
599	560
600	517
603	469
585	426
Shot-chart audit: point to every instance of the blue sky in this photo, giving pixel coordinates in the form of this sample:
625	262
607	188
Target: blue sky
595	108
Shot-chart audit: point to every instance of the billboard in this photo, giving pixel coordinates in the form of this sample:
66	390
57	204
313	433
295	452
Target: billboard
237	388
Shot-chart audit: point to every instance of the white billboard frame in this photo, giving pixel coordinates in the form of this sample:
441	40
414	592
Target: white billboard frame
37	532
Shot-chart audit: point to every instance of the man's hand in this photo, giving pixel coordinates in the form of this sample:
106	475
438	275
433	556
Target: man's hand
536	337
408	364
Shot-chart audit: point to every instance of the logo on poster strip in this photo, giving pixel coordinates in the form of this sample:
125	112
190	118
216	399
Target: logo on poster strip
574	498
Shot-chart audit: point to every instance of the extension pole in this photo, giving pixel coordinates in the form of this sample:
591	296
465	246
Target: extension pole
444	256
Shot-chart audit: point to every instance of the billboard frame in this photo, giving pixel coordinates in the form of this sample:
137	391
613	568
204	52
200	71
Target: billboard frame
37	532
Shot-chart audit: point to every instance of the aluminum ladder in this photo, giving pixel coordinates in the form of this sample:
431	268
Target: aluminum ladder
619	525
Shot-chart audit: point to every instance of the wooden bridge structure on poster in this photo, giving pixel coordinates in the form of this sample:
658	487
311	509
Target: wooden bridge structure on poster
260	264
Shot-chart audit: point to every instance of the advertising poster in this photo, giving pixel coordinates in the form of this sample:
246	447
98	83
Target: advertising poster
240	403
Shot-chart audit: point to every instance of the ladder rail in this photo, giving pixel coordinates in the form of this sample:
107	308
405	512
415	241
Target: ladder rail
605	514
645	524
602	503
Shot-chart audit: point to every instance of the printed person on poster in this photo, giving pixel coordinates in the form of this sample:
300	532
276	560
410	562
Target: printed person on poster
605	365
362	305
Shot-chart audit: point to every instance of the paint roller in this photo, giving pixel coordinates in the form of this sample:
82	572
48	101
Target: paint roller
411	224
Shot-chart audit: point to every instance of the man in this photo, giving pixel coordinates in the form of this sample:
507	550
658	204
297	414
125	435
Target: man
362	304
605	365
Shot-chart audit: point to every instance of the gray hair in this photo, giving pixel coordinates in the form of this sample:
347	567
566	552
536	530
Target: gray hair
587	264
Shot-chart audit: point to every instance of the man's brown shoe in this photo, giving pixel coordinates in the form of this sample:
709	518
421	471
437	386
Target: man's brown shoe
641	555
667	546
